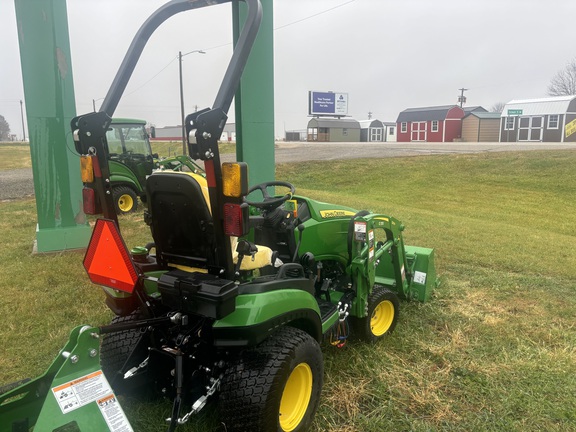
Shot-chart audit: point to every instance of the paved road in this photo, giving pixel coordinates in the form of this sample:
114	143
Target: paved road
18	183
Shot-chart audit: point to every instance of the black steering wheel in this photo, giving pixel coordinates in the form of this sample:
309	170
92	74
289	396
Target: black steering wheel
270	202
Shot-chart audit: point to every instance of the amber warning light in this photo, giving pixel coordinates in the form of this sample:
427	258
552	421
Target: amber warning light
107	260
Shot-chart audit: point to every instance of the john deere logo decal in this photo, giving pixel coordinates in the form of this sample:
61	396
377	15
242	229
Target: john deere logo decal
327	214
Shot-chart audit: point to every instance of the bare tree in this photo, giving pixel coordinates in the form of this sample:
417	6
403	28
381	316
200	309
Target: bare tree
498	107
564	82
4	129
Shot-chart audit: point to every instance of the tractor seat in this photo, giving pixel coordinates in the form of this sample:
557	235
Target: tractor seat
182	226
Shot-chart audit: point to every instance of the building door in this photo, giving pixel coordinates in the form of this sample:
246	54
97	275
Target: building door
312	134
418	131
530	128
375	134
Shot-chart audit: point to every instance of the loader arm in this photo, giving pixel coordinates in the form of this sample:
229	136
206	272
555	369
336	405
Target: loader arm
376	239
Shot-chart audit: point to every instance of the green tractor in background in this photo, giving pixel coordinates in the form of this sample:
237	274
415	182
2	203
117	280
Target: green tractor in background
131	161
233	296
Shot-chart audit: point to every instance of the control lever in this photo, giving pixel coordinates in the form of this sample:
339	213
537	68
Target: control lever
301	229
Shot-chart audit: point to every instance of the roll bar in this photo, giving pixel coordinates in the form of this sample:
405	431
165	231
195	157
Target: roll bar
203	128
235	67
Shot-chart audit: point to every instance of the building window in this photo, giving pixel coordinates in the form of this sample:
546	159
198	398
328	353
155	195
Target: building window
391	130
434	126
553	121
509	125
403	127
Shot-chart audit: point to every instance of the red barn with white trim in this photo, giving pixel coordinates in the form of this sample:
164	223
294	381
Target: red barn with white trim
431	124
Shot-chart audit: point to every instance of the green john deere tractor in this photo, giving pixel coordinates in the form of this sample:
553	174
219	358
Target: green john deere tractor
233	296
131	161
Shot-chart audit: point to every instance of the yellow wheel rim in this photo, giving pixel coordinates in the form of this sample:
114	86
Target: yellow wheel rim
296	397
125	203
382	318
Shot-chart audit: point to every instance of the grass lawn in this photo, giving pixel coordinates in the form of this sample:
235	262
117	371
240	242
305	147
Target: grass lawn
14	155
494	349
17	154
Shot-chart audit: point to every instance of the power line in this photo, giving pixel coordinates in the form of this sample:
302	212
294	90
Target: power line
159	72
315	15
230	43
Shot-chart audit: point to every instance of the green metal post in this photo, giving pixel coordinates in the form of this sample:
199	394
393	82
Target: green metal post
254	102
50	106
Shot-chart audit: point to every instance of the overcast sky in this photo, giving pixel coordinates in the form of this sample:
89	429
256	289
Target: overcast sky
388	55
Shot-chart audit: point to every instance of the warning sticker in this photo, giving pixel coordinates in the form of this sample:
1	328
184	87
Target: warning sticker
90	388
420	277
82	391
113	414
360	231
371	244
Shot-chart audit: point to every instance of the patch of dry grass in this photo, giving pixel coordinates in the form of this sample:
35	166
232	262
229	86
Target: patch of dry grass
14	156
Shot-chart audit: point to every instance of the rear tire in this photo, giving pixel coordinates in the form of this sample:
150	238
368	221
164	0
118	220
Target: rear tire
117	347
125	199
383	312
274	386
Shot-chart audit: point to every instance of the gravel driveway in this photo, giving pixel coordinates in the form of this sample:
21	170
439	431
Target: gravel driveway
16	183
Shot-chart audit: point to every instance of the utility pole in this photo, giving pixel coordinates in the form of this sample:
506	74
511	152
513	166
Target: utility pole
182	103
94	103
462	98
182	118
22	116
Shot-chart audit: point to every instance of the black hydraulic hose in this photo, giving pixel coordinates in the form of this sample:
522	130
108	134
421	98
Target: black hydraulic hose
118	327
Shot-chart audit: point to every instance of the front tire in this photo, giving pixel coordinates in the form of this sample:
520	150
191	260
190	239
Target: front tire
274	386
125	200
383	312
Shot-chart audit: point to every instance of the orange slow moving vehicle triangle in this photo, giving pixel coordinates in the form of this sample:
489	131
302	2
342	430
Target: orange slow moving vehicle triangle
107	260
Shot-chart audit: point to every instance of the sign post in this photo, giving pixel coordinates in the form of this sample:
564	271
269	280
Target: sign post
254	102
50	106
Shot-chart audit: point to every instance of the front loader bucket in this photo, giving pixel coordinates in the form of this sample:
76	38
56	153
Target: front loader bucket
71	396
